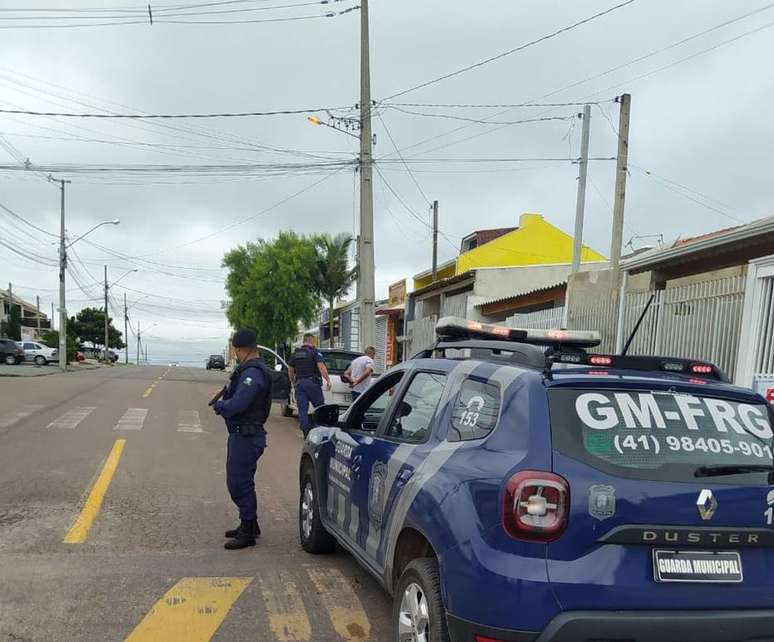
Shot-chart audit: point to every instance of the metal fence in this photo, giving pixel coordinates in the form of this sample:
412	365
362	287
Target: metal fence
421	334
540	320
697	321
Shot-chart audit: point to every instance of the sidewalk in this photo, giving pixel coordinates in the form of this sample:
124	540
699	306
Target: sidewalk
31	370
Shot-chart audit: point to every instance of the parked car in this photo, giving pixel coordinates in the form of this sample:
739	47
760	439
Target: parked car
509	485
216	361
39	353
10	352
337	361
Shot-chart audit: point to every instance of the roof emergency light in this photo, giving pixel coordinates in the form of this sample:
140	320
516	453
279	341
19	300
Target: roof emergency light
455	327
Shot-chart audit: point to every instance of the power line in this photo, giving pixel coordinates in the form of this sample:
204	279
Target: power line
24	220
408	169
511	51
487	105
242	114
480	121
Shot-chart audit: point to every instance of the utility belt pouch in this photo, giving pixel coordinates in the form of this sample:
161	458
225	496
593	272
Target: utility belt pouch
248	430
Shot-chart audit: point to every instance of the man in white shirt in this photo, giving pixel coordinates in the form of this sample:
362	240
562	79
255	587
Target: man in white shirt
360	371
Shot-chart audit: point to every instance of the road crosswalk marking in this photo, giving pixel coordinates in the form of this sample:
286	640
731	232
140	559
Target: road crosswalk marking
25	411
287	616
343	606
71	419
191	611
189	421
133	419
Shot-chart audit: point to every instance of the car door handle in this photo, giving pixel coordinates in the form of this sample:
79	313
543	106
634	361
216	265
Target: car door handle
405	475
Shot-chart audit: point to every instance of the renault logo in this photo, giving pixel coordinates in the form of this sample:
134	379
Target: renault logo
707	504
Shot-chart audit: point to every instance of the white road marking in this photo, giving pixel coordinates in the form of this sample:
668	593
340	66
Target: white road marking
71	419
6	421
189	421
133	419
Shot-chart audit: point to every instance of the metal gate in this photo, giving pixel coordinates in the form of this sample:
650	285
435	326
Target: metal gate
756	354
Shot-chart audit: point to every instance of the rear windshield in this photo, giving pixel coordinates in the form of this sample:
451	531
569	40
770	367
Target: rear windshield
659	435
338	362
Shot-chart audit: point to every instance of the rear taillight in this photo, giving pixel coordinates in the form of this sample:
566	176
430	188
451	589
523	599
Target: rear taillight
536	506
702	368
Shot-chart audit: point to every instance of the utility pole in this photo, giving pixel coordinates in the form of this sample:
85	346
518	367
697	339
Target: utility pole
126	331
580	203
10	300
435	241
62	269
620	184
37	306
366	287
51	322
105	353
138	342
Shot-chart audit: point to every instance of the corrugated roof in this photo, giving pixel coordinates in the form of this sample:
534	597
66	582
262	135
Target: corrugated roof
521	294
441	283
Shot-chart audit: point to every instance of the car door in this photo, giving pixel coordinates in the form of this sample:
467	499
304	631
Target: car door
280	381
348	469
29	351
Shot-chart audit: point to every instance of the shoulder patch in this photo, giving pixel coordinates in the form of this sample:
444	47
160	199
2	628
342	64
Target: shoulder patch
248	381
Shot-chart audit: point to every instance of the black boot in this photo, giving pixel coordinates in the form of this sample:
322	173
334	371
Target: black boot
235	531
246	534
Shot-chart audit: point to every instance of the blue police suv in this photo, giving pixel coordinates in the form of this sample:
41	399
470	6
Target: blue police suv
509	485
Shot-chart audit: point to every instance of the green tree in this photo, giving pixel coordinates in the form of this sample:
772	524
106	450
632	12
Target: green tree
12	327
333	276
51	339
89	325
271	286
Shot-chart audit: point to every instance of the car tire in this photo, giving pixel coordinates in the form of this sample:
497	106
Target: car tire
10	360
418	602
40	360
314	538
287	411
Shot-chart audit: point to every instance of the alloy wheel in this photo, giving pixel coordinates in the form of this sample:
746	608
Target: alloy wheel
414	616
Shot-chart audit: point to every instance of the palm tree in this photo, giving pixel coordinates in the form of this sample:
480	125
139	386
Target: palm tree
333	276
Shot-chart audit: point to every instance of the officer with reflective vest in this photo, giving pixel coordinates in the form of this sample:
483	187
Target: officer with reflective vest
307	370
245	404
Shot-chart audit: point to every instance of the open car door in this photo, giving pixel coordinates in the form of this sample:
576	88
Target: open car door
280	388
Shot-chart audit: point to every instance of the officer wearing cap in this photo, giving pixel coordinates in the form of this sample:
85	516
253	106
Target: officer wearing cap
307	370
245	405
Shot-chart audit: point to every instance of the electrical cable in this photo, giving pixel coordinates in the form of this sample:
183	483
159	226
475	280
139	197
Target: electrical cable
479	121
243	114
408	169
511	51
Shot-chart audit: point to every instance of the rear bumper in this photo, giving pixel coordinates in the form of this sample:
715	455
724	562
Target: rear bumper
634	626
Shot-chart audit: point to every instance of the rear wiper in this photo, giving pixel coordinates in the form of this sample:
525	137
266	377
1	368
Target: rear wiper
722	470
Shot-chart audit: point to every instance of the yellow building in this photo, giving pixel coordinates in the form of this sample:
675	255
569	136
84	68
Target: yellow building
534	242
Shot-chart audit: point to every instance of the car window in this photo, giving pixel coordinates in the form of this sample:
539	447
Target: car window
338	362
29	346
475	411
413	417
370	408
37	346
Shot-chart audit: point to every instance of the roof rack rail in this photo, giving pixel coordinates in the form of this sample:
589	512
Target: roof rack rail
455	327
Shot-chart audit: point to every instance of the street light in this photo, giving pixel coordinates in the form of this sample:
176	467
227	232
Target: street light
107	287
62	269
115	221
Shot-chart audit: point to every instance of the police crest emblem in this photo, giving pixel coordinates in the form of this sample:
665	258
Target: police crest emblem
376	488
602	502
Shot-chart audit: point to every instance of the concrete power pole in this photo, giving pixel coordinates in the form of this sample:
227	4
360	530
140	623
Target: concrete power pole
37	307
366	287
138	342
62	269
51	322
435	241
105	354
580	203
126	331
620	185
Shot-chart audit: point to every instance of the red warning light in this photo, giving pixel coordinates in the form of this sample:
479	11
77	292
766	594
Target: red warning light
596	360
700	368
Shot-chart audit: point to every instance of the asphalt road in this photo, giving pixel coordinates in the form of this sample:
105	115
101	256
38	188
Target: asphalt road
112	511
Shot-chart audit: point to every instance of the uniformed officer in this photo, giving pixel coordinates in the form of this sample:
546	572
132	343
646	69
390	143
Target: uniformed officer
307	370
245	405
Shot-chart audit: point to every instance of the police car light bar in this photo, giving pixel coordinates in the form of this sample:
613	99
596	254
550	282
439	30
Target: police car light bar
455	327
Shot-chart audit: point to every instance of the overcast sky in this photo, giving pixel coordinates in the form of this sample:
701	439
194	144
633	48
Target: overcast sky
700	126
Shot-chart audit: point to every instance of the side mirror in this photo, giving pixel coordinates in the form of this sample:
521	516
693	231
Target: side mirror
404	410
327	415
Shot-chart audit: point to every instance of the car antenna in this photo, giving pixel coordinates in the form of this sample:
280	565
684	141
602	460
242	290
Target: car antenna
637	326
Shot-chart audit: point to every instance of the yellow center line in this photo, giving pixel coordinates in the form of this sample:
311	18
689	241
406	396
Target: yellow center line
191	611
80	529
287	616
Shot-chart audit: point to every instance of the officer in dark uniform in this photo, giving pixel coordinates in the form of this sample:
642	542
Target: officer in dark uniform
307	370
245	405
